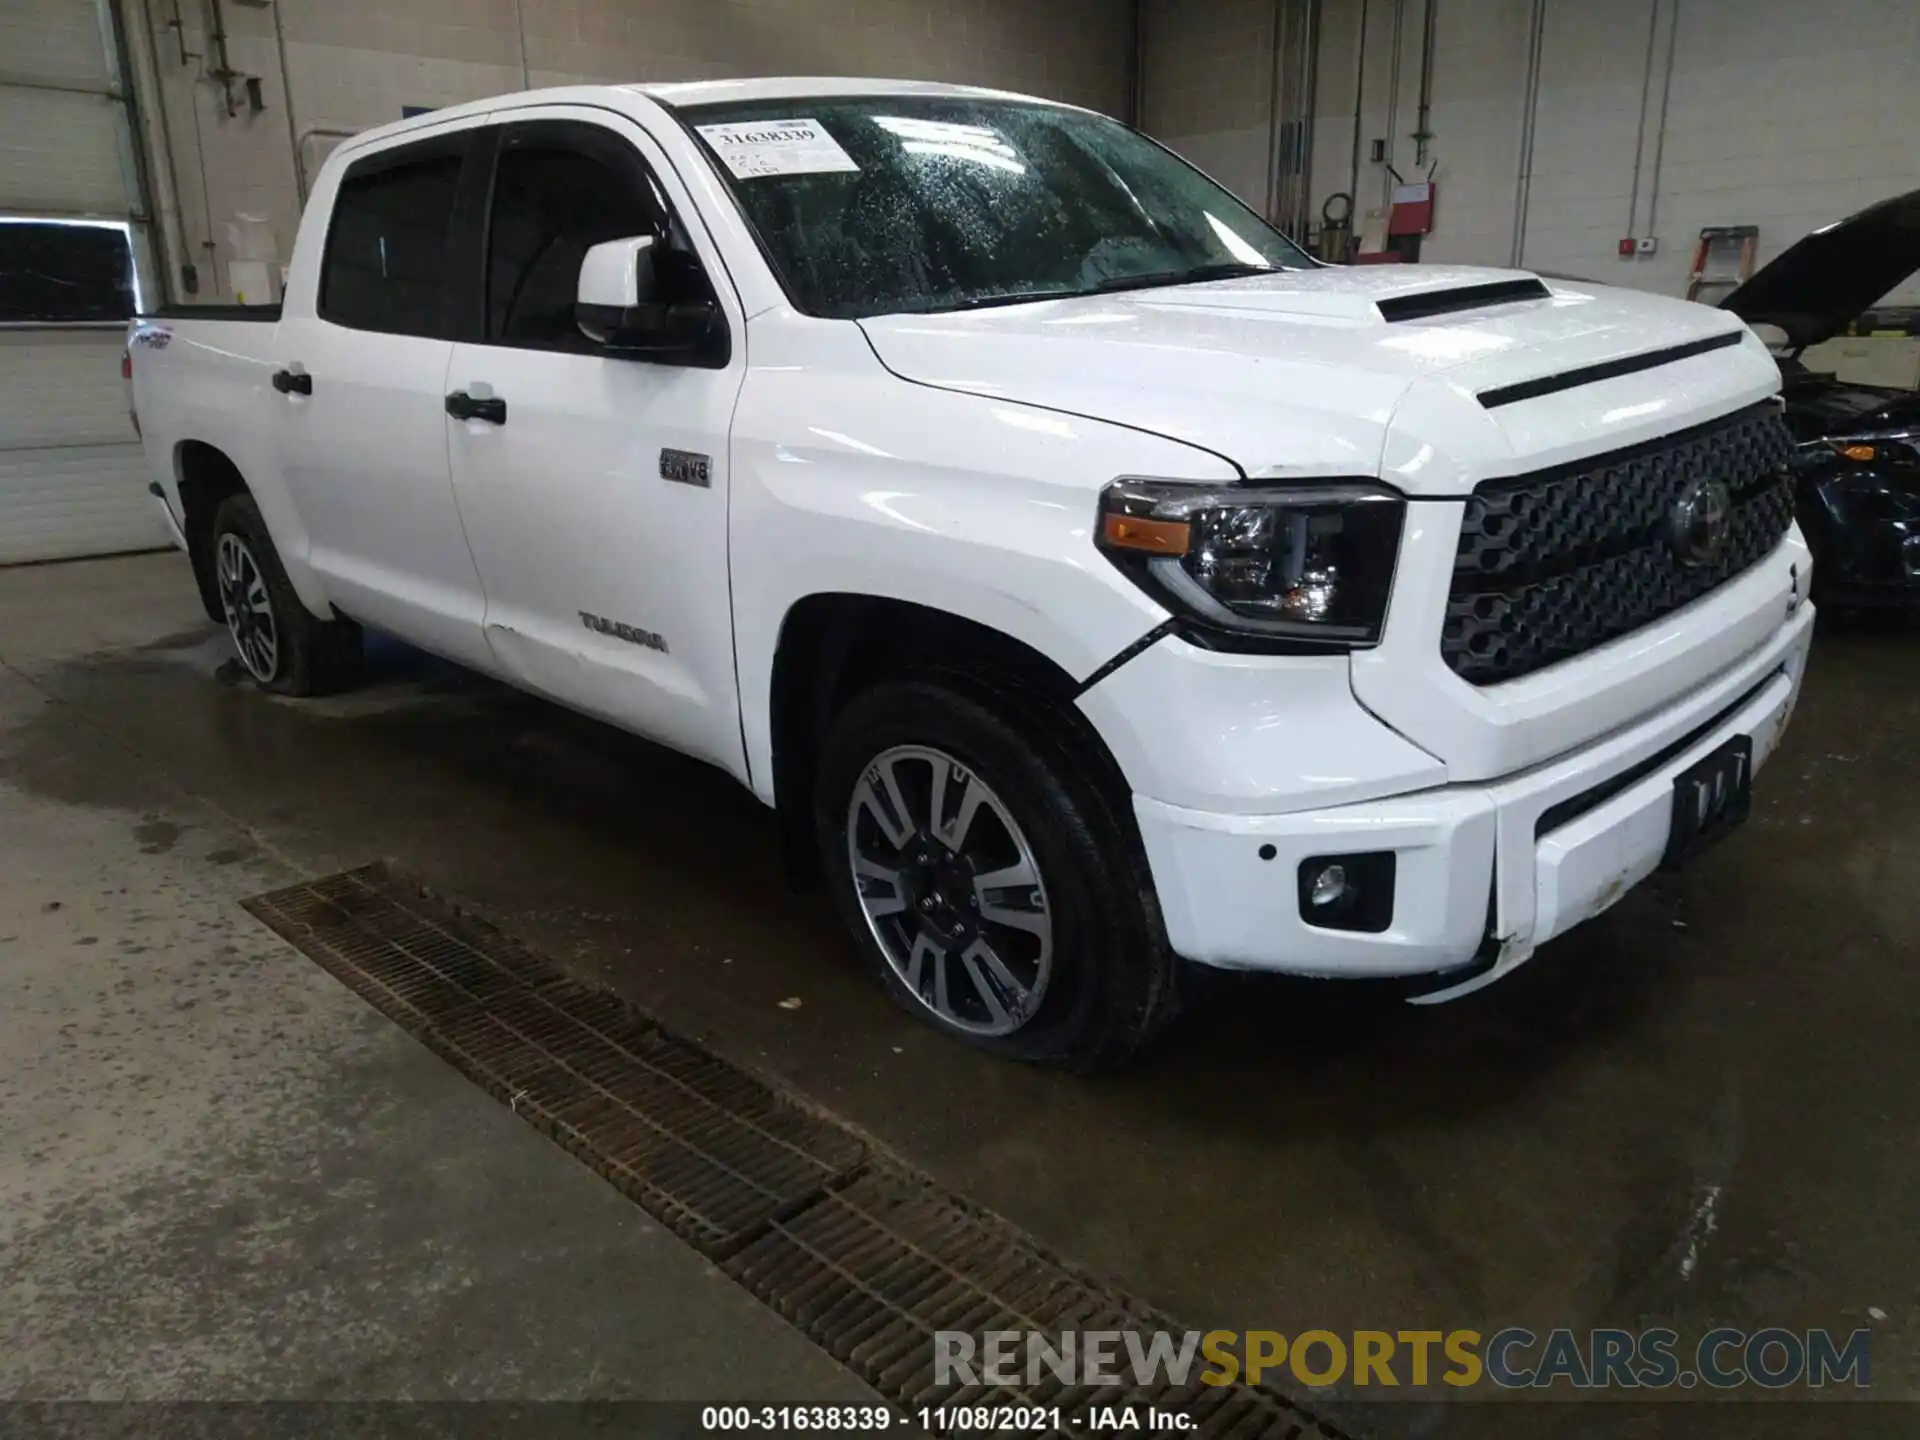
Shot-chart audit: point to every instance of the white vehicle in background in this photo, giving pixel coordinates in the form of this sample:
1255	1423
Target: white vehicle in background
1090	580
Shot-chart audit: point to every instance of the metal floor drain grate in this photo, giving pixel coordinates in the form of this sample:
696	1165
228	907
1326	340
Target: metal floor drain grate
864	1257
878	1266
710	1151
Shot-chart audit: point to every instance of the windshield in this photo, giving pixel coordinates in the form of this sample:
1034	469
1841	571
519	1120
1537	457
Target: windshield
878	205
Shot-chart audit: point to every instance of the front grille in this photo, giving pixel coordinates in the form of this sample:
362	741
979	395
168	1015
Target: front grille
1552	564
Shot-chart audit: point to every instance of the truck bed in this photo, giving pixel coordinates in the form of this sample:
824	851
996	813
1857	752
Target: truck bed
213	312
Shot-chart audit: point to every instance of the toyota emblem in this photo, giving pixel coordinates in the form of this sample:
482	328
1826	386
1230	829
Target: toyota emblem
1701	518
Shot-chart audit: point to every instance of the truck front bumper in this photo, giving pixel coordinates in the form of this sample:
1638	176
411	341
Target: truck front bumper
1478	880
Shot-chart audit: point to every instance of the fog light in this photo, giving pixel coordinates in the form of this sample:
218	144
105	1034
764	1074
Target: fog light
1348	892
1329	886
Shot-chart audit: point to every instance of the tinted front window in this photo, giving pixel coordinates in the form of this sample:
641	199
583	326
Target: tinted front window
920	204
386	259
551	206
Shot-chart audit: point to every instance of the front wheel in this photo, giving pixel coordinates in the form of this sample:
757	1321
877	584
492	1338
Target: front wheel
982	870
284	646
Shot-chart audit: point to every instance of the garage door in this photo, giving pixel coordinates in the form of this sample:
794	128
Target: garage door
71	478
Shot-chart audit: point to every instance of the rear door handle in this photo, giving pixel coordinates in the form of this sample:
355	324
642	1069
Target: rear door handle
293	382
462	406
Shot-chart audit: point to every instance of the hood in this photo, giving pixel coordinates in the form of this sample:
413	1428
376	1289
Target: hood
1813	290
1297	373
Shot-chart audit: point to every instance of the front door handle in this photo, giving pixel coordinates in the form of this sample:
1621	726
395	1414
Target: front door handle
462	406
293	382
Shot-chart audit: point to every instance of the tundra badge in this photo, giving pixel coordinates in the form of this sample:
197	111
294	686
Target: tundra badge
686	467
632	634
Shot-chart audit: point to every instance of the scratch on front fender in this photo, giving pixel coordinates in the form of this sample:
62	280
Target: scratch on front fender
1144	643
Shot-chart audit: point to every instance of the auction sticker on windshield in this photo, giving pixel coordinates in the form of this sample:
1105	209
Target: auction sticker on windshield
758	148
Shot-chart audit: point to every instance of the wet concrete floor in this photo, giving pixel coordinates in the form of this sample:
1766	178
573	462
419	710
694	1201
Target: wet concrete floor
223	1177
1702	1109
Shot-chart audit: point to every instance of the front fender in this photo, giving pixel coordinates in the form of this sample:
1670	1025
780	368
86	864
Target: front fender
849	480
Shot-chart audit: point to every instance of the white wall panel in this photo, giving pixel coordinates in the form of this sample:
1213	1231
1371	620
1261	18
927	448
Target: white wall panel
1787	117
65	503
73	479
1587	133
54	39
61	153
1208	86
62	387
1480	61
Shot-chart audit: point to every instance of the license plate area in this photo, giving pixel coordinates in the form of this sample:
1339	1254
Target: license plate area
1710	797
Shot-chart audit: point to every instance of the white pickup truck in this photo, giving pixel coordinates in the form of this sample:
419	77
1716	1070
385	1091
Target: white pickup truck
1090	580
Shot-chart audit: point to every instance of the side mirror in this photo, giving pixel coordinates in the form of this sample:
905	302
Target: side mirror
617	305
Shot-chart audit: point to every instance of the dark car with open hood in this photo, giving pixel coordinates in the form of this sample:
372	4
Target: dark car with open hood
1857	457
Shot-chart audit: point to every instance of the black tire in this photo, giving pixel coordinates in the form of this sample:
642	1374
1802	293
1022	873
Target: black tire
1111	980
307	655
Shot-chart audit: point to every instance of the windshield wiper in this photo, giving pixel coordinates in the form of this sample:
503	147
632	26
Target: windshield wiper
1198	274
1223	270
1010	297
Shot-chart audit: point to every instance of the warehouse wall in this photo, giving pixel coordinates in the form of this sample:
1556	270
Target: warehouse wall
1780	114
1207	85
1785	116
1480	60
332	66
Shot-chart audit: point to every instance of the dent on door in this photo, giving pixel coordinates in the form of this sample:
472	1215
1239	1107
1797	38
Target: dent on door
595	666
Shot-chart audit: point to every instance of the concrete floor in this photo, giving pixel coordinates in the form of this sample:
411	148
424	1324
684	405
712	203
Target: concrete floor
1700	1110
223	1176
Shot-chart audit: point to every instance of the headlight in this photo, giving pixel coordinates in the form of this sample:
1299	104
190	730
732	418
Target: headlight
1290	564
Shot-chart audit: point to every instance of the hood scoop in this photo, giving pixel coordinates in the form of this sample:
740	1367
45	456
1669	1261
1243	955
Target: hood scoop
1423	304
1365	295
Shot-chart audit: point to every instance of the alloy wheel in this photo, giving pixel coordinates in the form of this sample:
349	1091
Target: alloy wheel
248	607
950	889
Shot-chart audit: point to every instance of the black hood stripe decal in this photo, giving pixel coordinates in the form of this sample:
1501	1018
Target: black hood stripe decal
1606	370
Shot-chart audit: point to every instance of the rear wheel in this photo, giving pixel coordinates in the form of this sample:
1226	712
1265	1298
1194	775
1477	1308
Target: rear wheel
981	870
285	647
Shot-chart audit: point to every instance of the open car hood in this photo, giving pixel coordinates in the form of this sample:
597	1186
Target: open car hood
1813	290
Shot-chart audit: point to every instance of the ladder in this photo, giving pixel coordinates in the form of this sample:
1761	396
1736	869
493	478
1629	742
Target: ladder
1719	245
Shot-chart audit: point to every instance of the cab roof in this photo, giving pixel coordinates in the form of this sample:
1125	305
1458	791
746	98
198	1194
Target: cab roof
677	94
789	87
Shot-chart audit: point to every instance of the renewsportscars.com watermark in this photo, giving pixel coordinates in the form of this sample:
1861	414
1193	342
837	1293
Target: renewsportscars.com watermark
1511	1359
